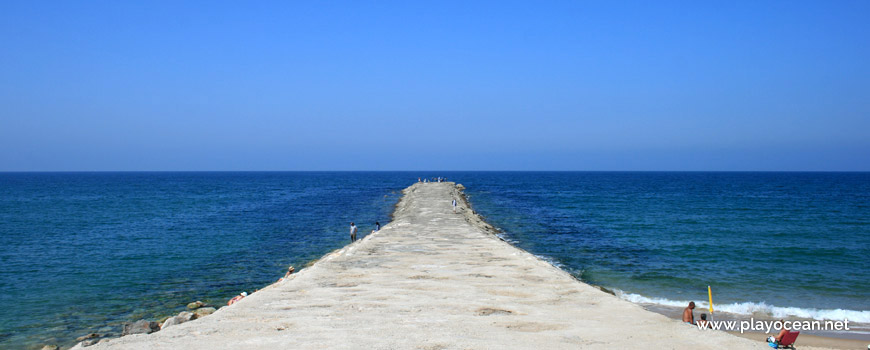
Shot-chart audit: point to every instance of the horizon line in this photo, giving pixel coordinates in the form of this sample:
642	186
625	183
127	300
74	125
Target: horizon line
410	171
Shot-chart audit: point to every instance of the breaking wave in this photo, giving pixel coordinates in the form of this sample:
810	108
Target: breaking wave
750	308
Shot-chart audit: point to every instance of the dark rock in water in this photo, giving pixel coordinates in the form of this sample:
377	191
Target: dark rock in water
195	305
89	336
205	311
51	347
140	327
181	318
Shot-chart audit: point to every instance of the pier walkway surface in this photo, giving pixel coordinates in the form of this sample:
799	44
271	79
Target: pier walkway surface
432	279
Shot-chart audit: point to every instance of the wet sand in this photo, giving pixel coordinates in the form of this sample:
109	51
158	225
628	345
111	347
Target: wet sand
839	340
809	340
432	279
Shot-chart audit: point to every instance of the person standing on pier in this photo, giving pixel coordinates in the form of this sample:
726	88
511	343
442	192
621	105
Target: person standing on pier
353	230
454	205
377	226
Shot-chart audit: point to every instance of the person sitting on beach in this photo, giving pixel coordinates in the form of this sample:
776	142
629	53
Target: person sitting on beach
703	323
236	298
688	316
773	341
782	332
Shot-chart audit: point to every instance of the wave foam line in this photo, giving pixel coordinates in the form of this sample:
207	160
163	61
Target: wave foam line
749	308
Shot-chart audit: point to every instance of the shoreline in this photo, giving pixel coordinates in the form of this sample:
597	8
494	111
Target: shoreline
812	339
403	217
838	340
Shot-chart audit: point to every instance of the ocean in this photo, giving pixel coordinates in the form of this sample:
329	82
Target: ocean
85	252
771	244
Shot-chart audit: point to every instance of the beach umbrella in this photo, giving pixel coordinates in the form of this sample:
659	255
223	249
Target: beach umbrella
710	295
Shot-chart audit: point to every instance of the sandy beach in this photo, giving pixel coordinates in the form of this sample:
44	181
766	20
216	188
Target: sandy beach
433	279
808	341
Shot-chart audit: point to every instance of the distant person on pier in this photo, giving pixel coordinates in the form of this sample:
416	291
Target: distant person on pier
290	271
236	298
454	206
688	316
353	231
377	226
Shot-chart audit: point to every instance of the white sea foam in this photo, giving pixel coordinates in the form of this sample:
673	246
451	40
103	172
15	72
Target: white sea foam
551	261
749	308
506	239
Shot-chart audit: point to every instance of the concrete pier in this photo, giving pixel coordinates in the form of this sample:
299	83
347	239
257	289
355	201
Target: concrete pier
432	279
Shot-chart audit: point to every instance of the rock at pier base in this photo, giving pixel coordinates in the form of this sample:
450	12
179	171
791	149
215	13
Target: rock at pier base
205	311
181	318
195	305
89	336
140	327
84	344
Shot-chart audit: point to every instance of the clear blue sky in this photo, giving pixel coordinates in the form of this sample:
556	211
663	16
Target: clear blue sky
467	85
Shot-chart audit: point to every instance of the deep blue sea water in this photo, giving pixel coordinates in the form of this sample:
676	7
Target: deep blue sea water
776	243
85	252
82	251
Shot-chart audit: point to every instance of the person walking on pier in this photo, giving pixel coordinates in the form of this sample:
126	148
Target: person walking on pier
353	231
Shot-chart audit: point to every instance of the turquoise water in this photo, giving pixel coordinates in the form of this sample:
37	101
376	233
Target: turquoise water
85	252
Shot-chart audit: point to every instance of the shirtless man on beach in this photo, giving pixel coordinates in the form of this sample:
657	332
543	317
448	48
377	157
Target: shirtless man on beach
688	316
782	332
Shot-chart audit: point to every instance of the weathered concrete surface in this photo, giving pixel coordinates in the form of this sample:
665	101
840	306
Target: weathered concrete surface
431	280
